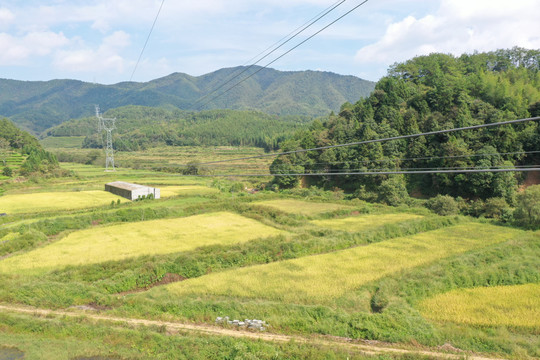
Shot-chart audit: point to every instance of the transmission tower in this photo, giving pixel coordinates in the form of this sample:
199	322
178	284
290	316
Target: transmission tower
107	125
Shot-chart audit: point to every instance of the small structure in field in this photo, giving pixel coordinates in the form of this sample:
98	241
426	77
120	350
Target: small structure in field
131	191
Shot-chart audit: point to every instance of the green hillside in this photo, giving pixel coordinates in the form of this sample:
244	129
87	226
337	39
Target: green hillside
38	105
430	93
140	127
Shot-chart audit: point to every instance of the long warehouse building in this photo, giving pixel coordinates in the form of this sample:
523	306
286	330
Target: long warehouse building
131	191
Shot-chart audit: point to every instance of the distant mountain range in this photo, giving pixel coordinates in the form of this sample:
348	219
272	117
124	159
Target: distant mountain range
39	105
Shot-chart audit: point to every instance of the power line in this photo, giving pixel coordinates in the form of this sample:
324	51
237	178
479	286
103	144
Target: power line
396	172
146	42
281	43
395	160
377	140
282	55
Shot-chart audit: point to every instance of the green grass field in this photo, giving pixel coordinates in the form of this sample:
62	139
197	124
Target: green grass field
321	279
66	142
55	201
302	207
363	222
516	306
154	237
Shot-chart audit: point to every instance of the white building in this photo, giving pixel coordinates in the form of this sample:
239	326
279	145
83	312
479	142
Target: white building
131	191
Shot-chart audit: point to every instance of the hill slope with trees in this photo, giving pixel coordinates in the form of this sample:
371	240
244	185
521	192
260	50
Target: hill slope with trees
36	105
430	93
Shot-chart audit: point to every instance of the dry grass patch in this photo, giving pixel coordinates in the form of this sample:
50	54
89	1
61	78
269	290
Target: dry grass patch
153	237
55	201
363	222
516	306
292	206
322	278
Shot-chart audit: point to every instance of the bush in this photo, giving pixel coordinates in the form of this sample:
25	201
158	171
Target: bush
7	171
393	191
443	205
527	212
496	208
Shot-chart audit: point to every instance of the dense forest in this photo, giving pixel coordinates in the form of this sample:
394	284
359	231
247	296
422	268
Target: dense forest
140	127
37	160
430	93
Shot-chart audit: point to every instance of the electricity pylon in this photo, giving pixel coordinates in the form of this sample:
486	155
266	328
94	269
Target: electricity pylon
107	125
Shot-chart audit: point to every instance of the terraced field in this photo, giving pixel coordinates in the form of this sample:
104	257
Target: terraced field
323	278
187	190
55	201
516	306
123	241
302	207
363	222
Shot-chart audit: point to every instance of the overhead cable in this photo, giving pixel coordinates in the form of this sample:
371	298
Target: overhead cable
146	42
282	55
377	140
275	47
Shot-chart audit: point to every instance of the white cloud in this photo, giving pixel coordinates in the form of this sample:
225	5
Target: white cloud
458	26
105	58
14	50
6	17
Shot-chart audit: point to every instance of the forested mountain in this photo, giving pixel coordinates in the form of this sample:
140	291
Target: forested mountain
139	127
425	94
36	105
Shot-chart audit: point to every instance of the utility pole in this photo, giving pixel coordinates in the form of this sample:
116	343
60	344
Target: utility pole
107	125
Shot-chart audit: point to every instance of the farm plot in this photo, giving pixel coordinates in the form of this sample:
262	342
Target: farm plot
359	223
292	206
322	278
517	306
123	241
55	201
187	190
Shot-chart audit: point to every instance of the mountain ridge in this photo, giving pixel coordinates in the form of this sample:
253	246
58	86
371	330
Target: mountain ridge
39	105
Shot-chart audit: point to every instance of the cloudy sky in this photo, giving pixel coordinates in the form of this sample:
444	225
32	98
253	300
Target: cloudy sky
100	40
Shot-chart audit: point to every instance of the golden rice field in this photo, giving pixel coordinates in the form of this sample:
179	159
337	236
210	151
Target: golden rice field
363	222
186	190
55	201
517	306
153	237
322	278
292	206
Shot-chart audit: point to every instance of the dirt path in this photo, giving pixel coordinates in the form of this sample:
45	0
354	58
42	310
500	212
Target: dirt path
175	327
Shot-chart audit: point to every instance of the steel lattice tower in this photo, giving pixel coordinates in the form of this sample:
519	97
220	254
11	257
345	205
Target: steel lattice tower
107	125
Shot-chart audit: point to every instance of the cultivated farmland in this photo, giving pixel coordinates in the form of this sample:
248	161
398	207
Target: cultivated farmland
517	306
301	207
359	223
321	279
55	201
143	238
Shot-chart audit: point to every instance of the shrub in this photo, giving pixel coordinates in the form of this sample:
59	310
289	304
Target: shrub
443	205
7	171
496	208
393	191
527	212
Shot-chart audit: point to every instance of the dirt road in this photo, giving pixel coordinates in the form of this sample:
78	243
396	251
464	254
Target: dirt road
175	327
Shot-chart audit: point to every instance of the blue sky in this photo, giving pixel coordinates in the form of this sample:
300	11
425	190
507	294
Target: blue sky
100	40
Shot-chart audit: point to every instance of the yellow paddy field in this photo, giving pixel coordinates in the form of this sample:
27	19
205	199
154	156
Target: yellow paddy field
517	306
322	278
302	207
55	201
363	222
142	238
187	190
